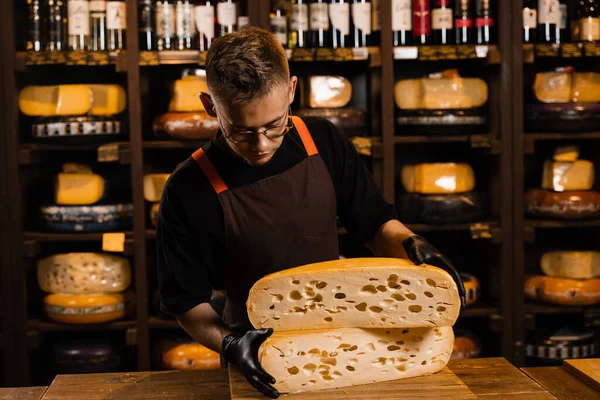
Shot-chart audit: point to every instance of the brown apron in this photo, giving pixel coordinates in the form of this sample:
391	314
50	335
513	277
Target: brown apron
277	223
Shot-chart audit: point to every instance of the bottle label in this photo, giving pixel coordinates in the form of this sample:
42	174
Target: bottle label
590	29
441	18
79	17
562	16
481	22
319	17
421	17
279	29
401	15
205	20
339	13
299	17
243	20
361	16
529	18
464	23
165	20
226	14
548	11
115	15
376	15
184	20
98	8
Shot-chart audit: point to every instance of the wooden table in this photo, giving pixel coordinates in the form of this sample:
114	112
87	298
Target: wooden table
575	379
23	393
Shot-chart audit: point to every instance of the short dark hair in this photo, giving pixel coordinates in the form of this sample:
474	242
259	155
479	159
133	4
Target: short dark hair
245	65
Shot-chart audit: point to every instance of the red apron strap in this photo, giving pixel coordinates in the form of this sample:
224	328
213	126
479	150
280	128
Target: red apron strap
307	139
209	170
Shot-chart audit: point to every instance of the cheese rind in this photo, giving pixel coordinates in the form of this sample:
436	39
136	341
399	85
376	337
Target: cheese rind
83	273
185	95
356	292
329	91
58	100
189	356
154	185
87	309
563	291
438	178
567	176
571	264
332	358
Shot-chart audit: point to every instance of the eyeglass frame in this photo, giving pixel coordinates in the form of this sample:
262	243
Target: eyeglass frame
286	128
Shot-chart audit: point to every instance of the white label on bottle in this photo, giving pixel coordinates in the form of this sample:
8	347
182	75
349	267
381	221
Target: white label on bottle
205	20
299	17
590	29
184	20
97	6
376	15
361	16
165	20
279	29
319	17
243	20
441	18
562	16
529	18
401	15
548	11
115	15
339	13
79	17
226	14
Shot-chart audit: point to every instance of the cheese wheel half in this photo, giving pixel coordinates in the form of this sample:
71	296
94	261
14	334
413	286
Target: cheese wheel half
57	100
567	176
438	178
571	264
154	185
357	292
87	309
563	291
190	356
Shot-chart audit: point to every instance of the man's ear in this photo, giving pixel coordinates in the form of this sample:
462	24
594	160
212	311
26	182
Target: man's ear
208	104
292	93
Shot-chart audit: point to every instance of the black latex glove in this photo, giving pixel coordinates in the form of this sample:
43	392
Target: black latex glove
242	351
420	251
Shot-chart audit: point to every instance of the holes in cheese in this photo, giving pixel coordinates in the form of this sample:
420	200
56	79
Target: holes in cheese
571	264
438	178
566	176
404	305
154	185
563	291
361	358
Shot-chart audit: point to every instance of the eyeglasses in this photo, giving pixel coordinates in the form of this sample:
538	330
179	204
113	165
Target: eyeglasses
271	133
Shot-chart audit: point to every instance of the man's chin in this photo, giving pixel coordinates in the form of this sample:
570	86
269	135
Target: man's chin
258	161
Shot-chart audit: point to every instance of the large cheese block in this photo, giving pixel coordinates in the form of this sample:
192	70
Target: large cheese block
565	86
185	125
571	264
328	91
357	292
349	120
566	176
58	100
78	188
83	273
302	361
563	291
188	356
568	153
88	309
438	178
108	99
185	95
439	208
154	185
578	204
95	218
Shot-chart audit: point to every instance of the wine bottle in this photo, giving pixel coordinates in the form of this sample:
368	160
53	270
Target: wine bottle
563	22
78	24
361	23
205	23
98	40
56	25
547	20
35	22
165	24
464	26
589	20
441	21
243	18
226	17
298	33
278	22
339	15
485	22
185	30
402	34
147	25
421	22
529	21
116	24
319	24
375	23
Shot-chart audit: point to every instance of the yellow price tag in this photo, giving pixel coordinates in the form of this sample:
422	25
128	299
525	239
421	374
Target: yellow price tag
114	242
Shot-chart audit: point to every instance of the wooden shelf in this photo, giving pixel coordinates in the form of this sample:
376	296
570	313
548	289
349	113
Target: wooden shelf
68	237
552	309
172	57
50	326
488	230
532	223
370	54
490	53
530	138
173	144
566	51
478	311
476	141
27	59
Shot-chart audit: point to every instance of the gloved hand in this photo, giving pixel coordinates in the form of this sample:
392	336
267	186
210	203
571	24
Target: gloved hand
421	251
242	351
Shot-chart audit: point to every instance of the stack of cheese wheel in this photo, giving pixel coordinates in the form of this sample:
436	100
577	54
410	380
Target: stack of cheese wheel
70	111
354	321
570	278
438	193
80	203
329	96
185	354
186	118
154	185
85	288
566	188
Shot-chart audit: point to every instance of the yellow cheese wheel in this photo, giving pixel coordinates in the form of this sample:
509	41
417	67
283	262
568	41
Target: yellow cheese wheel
88	309
566	176
566	86
327	91
189	356
185	95
563	291
440	93
58	100
472	287
154	185
438	178
108	99
78	188
571	264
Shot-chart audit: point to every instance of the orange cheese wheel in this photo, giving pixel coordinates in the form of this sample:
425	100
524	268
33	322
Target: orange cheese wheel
88	309
466	345
189	356
563	291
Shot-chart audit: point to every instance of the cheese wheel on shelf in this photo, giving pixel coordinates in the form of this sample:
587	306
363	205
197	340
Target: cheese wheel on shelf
302	361
185	95
439	208
552	347
57	100
571	264
577	204
80	127
185	126
349	120
88	309
154	185
108	99
567	176
568	153
466	345
361	292
563	291
472	288
438	178
328	91
74	188
154	214
94	218
566	86
82	273
188	356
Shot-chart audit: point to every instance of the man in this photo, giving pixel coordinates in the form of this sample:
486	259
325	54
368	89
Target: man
263	196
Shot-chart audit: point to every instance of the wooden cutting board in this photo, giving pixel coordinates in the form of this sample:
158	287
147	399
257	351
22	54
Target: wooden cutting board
442	385
586	369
